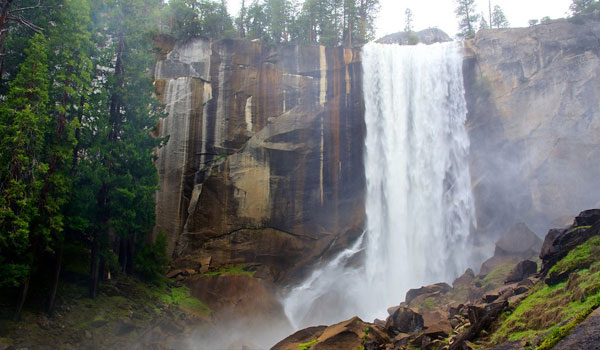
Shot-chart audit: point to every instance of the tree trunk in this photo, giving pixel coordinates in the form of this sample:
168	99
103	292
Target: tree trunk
130	252
22	298
94	269
56	277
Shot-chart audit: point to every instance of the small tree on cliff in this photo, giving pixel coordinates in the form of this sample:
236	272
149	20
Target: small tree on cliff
466	12
408	19
499	19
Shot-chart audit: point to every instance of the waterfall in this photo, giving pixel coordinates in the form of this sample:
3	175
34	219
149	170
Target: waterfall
419	203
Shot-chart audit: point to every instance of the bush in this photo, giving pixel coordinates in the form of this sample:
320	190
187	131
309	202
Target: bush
151	260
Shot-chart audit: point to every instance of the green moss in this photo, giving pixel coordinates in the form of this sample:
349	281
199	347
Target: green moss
239	269
182	297
429	304
566	303
580	257
308	345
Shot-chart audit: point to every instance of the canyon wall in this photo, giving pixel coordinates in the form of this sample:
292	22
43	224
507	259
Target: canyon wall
263	165
534	123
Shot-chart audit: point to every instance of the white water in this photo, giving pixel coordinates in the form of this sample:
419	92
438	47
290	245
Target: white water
419	202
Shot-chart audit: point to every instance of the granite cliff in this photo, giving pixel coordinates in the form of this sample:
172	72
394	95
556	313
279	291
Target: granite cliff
263	169
263	166
534	121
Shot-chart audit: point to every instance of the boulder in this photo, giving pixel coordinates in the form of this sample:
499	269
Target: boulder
496	261
465	279
351	334
518	241
301	337
521	271
404	320
437	324
438	288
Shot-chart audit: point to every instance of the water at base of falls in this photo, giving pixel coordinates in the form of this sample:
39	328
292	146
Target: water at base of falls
419	203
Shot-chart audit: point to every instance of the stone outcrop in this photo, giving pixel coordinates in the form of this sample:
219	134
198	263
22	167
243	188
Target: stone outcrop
263	158
534	122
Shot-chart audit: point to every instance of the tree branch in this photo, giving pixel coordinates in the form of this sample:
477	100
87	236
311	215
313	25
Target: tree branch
26	23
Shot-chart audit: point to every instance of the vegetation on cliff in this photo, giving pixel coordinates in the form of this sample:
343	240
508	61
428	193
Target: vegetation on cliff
326	22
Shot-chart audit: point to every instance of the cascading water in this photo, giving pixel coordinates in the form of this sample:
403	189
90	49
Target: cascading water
419	202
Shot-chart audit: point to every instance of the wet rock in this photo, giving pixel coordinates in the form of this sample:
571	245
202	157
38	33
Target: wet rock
300	337
404	320
350	334
523	270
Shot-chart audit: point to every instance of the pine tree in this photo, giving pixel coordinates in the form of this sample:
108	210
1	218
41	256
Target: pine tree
468	18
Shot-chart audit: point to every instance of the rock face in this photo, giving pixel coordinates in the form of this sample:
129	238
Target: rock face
534	122
427	36
263	163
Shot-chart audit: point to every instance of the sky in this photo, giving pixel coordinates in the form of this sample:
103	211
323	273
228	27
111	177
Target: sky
440	13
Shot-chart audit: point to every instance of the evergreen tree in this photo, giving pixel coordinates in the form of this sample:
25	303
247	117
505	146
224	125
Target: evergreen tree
23	123
466	12
408	19
483	23
498	18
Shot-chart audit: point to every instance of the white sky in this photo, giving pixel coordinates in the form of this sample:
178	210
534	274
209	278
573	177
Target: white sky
440	13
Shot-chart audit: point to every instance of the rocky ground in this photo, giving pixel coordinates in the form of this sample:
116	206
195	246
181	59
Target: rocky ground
507	306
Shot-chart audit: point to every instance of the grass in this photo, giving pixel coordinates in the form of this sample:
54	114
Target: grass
551	312
308	345
558	333
239	269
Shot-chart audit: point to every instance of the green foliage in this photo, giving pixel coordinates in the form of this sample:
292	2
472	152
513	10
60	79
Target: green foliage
498	18
23	124
579	7
307	345
205	18
239	269
151	261
466	12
